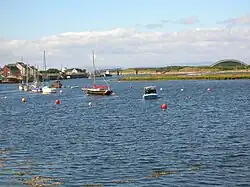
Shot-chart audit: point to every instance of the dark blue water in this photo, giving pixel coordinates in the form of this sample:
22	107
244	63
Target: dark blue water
202	139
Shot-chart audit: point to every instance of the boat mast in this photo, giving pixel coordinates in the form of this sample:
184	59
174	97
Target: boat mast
37	74
44	63
93	66
27	74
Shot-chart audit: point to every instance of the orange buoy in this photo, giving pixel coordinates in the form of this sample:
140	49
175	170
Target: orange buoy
58	102
164	106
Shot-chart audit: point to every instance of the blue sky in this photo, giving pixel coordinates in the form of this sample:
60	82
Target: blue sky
125	33
29	19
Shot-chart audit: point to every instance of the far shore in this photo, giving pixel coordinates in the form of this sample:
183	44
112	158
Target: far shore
188	76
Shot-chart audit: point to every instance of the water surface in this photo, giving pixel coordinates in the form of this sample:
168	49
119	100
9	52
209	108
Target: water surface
202	139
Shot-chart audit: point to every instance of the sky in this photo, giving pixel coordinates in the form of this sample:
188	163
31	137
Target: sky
124	33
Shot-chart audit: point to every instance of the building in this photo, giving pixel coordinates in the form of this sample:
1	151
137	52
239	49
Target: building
75	71
11	70
22	67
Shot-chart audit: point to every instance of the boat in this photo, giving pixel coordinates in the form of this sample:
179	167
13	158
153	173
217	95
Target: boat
72	87
36	86
150	93
107	74
21	86
48	90
26	86
97	89
56	84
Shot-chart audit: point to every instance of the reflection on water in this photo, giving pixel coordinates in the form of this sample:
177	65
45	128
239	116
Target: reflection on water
201	139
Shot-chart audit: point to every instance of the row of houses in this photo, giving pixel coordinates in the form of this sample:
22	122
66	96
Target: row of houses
18	70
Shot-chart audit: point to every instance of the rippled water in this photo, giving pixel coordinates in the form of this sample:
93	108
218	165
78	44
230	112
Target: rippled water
202	139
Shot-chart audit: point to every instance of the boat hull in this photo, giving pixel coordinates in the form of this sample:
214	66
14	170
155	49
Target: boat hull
47	90
21	87
37	90
26	88
150	96
97	92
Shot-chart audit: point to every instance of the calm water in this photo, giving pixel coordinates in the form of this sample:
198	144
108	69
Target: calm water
202	139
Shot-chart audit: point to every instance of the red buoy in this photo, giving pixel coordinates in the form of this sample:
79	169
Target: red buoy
164	106
58	102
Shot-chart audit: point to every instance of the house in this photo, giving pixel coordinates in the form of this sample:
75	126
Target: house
11	70
22	67
75	71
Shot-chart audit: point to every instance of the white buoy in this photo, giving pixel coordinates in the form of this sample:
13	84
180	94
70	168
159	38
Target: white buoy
182	89
61	91
90	103
5	97
161	89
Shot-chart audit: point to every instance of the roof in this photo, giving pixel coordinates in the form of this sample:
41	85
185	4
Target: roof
229	63
150	87
11	65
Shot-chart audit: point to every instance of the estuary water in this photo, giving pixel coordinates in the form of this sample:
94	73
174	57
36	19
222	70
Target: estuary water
202	139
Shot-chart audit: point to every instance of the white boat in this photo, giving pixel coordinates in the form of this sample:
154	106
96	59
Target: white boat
21	87
48	90
36	87
150	93
26	88
72	87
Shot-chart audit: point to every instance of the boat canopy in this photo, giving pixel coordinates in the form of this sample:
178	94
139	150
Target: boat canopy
150	89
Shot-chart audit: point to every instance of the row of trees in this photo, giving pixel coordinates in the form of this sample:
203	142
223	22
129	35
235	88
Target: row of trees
54	70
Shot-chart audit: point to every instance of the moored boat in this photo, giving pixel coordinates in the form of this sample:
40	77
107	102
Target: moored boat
26	88
150	93
48	90
97	89
56	84
21	87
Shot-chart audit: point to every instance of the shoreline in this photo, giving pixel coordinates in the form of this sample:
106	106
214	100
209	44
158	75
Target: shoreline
152	77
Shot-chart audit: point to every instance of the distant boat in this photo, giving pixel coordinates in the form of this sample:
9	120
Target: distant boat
48	90
74	87
21	86
26	86
107	74
150	93
36	86
97	89
56	84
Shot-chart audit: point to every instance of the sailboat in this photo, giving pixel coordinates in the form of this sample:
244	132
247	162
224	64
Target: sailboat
21	86
97	89
36	86
26	86
46	89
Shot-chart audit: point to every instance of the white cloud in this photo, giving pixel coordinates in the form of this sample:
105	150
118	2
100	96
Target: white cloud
131	48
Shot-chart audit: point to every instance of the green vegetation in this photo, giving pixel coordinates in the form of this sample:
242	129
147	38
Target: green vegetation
175	69
225	76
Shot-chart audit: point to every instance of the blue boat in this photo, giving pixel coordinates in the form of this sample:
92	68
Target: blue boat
150	93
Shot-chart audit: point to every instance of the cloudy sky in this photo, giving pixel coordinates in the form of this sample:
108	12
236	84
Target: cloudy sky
124	33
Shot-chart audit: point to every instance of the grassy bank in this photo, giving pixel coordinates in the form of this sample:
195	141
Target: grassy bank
228	76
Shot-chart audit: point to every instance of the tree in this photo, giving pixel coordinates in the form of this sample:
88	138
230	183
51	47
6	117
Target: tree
53	70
